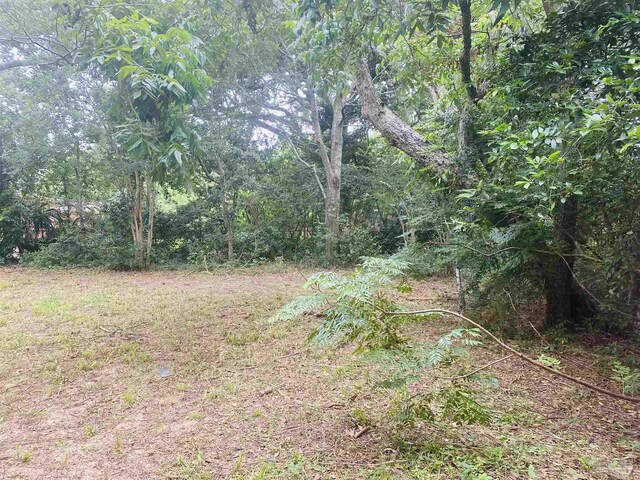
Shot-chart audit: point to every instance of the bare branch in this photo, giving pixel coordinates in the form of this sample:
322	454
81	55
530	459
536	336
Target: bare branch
518	354
484	367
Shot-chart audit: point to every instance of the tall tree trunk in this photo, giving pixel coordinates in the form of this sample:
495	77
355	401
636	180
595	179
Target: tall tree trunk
140	190
227	215
634	292
465	55
466	125
332	217
134	205
4	168
65	194
462	304
558	293
151	213
332	163
79	190
567	303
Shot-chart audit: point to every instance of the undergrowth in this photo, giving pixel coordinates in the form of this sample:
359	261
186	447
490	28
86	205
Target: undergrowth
357	308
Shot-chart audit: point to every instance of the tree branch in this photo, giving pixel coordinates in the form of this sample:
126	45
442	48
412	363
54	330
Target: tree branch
309	165
484	367
518	354
395	130
317	131
16	63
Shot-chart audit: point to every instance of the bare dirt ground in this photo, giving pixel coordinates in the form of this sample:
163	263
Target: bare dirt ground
81	396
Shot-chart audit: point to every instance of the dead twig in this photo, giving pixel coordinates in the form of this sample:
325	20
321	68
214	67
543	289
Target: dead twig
484	367
518	354
360	432
266	391
522	316
292	354
110	332
510	249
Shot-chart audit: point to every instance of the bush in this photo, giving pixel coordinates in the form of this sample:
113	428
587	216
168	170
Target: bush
23	226
72	249
105	244
357	243
426	261
390	237
193	231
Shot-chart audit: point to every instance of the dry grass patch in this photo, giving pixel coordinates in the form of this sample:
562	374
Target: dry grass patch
81	397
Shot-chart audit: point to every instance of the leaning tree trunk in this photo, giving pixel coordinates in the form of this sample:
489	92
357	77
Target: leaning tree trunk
397	132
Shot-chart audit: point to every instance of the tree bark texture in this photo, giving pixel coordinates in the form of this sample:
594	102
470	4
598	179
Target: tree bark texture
465	55
227	215
332	162
140	193
397	132
79	189
566	302
634	293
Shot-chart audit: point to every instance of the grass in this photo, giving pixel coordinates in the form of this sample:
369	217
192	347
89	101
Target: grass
247	400
130	397
22	456
89	430
188	467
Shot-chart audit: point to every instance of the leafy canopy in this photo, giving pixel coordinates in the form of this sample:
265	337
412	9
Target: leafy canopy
159	74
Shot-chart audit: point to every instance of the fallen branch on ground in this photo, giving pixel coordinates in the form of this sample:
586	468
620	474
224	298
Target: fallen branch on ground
473	372
521	355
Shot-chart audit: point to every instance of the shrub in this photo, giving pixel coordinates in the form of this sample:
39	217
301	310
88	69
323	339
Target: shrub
23	226
357	243
357	308
72	248
105	244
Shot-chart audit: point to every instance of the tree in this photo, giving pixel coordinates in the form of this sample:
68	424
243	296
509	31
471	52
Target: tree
282	88
398	133
159	74
568	156
42	34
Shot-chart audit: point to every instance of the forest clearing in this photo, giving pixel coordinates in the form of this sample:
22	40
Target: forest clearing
320	239
82	397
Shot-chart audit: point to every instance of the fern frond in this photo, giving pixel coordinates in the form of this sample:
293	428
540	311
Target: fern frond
325	280
299	306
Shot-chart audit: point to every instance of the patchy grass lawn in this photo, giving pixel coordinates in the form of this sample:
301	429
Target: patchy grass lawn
81	396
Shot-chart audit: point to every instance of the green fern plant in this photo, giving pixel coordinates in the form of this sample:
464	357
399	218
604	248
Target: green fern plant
356	308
